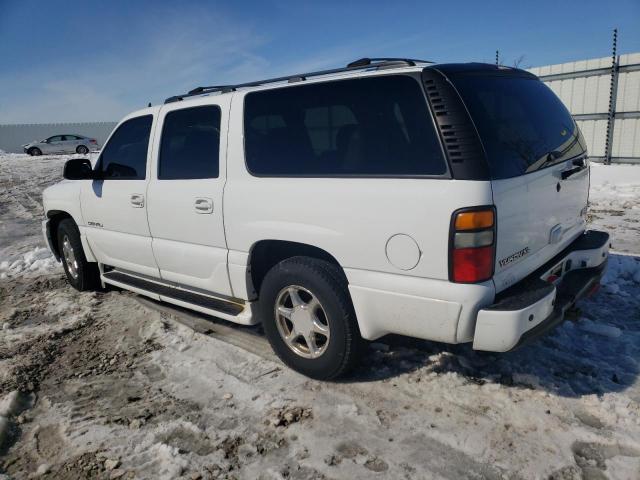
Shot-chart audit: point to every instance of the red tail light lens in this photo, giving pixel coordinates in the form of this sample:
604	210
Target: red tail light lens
472	245
92	141
472	264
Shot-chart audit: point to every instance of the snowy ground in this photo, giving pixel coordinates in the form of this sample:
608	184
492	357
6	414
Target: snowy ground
101	385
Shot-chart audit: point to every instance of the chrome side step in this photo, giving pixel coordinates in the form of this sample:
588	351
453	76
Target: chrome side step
227	307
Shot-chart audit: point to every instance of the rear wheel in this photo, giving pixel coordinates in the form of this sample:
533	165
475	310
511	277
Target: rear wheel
82	275
82	150
308	317
35	151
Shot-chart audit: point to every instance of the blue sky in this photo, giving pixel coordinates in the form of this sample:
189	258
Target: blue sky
83	60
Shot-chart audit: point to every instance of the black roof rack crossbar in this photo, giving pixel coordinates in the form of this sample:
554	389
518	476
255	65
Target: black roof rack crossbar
365	62
360	64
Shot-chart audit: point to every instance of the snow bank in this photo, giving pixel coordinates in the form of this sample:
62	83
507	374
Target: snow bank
10	405
616	185
7	408
622	270
37	261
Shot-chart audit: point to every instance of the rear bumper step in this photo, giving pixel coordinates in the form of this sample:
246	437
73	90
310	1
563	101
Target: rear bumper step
533	306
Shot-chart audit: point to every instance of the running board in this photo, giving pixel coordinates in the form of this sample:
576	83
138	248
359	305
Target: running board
172	293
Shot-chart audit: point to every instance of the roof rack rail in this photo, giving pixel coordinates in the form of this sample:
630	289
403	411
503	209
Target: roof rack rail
361	64
385	61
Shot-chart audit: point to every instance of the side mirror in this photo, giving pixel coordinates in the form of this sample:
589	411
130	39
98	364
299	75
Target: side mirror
78	169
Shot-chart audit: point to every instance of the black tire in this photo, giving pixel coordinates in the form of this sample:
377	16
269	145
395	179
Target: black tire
328	284
82	150
87	273
35	151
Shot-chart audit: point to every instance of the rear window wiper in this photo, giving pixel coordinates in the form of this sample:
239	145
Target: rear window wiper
548	159
579	165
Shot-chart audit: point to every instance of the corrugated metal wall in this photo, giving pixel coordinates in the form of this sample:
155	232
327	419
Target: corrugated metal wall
12	137
585	88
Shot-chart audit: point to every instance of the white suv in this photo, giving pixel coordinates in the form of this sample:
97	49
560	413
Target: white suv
440	201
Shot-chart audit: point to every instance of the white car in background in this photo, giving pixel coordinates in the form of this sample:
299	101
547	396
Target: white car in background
62	144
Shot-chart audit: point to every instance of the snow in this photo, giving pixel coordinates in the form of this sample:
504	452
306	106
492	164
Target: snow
615	203
600	329
567	405
38	261
8	406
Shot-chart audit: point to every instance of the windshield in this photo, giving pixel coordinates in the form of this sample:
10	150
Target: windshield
522	124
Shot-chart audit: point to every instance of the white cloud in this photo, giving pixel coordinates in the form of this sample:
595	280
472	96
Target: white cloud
168	52
179	53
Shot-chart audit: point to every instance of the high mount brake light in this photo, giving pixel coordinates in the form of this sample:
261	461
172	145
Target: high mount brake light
472	245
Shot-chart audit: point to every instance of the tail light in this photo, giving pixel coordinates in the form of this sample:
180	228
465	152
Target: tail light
472	245
93	140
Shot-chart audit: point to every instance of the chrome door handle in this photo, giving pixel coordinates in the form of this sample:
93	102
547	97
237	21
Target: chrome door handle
137	200
203	205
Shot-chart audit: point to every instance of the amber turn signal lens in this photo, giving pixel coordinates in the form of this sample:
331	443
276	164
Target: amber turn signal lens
474	220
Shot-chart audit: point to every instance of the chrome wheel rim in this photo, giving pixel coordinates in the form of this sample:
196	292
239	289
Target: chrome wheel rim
302	322
69	257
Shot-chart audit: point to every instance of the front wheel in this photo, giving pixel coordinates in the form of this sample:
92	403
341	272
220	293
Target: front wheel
82	150
82	275
34	152
308	317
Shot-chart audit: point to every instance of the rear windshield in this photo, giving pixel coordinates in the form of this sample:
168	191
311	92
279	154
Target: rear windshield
522	124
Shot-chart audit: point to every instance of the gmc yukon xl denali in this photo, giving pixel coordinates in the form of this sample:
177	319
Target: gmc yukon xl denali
440	201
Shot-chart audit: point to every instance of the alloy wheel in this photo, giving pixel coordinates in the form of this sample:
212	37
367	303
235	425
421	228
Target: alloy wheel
302	321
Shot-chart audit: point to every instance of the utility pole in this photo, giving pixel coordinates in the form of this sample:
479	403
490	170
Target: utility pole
613	95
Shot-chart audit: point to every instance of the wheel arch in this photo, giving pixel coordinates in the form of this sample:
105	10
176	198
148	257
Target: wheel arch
55	217
265	254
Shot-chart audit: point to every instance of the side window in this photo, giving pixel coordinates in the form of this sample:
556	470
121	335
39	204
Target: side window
190	144
57	138
125	156
376	126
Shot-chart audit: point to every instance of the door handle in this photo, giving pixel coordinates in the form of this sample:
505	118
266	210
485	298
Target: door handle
137	200
203	205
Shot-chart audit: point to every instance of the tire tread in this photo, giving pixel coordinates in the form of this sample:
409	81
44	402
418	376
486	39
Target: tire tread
334	279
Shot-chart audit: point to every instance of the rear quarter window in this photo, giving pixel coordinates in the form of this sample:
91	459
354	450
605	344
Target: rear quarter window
377	126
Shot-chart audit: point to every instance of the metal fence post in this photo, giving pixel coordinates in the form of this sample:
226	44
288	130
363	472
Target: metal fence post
613	94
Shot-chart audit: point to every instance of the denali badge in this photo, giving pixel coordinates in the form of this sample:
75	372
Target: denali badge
514	256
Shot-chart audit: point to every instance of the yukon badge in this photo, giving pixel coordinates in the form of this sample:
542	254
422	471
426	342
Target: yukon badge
513	257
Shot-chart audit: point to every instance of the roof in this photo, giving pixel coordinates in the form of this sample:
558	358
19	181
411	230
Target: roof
472	68
360	67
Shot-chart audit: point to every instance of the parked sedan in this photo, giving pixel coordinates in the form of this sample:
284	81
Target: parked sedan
62	144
